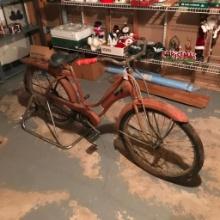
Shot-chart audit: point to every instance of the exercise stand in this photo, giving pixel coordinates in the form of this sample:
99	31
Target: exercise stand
32	108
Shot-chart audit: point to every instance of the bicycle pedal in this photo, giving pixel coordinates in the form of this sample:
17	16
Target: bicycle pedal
86	96
92	136
92	132
91	149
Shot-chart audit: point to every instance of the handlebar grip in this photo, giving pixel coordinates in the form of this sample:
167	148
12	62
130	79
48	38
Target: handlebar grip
86	61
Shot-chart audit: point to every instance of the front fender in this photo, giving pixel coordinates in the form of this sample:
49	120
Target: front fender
169	110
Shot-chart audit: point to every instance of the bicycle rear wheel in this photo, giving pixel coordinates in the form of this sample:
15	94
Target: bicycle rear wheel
38	82
166	148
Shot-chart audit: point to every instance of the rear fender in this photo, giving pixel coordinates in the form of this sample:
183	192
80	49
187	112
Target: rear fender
169	110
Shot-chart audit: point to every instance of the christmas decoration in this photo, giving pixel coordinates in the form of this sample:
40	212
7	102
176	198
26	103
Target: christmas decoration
113	36
98	37
126	37
179	55
209	24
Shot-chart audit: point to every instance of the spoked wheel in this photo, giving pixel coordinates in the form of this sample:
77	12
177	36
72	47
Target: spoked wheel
165	148
39	82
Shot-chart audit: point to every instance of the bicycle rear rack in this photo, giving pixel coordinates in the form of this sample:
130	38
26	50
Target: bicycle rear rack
31	110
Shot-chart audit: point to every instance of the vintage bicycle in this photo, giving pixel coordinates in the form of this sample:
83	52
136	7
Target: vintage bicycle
157	136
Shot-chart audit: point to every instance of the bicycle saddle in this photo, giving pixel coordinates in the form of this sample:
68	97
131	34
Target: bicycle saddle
59	59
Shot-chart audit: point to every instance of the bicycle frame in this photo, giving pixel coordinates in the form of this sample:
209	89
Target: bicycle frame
145	111
121	88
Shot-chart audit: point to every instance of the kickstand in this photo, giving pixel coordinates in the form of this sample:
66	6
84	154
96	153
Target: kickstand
29	112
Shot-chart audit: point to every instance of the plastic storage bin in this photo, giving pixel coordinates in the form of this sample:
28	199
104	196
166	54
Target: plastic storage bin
71	35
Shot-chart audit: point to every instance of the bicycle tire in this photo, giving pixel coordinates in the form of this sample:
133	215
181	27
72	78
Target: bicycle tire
62	115
188	132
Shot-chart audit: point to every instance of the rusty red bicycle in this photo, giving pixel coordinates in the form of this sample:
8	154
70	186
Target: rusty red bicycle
157	136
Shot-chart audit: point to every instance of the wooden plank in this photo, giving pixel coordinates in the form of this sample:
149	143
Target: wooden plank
193	99
188	98
202	79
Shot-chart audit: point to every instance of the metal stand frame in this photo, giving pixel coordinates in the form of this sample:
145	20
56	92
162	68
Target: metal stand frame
29	112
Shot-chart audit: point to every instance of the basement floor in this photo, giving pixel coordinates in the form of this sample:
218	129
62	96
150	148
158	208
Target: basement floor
39	181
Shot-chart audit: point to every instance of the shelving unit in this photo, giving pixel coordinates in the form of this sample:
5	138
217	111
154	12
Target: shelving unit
27	30
213	68
194	66
150	8
15	67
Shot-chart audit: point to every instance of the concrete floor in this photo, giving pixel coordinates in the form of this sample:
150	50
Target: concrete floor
41	182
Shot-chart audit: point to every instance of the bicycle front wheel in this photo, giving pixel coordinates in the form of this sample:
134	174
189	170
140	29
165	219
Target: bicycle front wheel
41	82
163	147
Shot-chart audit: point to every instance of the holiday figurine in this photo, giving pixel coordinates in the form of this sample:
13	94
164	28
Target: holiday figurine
126	38
98	30
200	41
98	37
114	36
174	43
15	28
209	25
125	31
215	34
188	45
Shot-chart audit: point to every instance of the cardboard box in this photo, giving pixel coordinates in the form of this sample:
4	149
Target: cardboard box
41	52
89	72
117	51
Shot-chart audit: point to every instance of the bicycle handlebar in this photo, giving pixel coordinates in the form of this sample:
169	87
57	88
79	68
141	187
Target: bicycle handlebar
114	61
